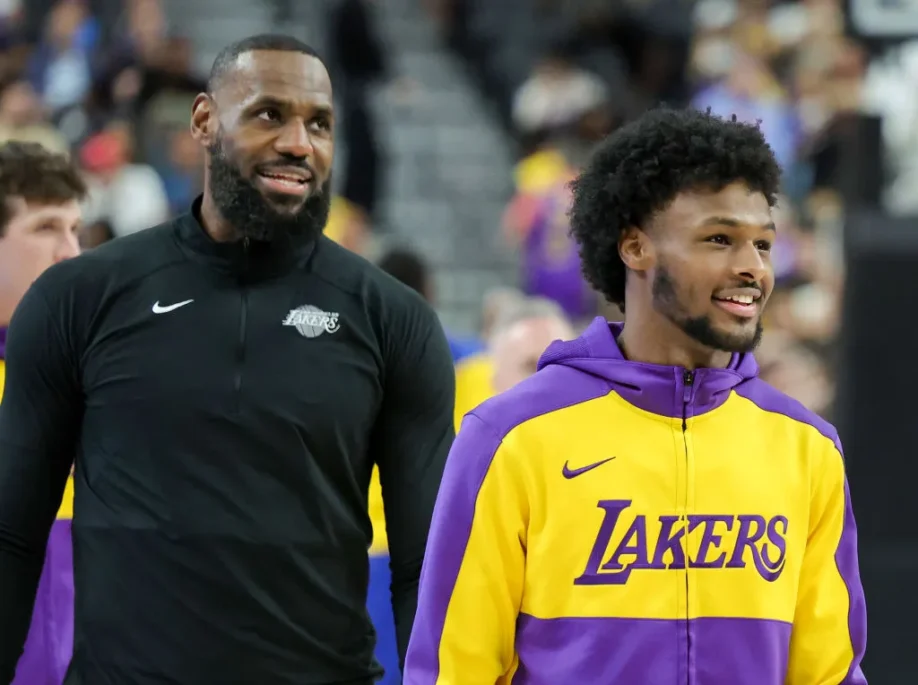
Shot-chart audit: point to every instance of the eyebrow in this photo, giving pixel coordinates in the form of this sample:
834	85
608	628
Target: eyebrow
732	223
271	101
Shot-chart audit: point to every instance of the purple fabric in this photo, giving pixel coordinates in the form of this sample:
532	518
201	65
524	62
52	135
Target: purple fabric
577	650
633	650
551	262
2	343
654	388
549	390
49	645
768	399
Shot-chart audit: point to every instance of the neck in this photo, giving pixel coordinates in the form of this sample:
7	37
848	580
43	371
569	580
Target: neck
217	227
650	338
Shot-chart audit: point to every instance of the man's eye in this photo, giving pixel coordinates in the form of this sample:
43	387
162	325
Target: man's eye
269	115
719	239
763	245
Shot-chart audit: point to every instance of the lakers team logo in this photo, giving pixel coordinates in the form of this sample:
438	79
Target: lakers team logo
311	322
757	539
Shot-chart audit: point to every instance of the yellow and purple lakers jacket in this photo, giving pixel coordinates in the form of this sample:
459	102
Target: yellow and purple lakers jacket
49	644
613	522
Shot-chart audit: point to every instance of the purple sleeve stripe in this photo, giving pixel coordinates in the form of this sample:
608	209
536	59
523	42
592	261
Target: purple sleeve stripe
846	561
479	438
466	468
768	399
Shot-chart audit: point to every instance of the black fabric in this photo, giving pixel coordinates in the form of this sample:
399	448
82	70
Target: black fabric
223	450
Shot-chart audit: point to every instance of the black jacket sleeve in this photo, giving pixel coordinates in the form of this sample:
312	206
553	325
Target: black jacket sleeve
39	424
412	438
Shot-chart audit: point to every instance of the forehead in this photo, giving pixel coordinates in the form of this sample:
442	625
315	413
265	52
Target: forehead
735	202
280	75
35	211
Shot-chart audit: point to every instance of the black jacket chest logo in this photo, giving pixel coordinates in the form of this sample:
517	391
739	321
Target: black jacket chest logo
311	322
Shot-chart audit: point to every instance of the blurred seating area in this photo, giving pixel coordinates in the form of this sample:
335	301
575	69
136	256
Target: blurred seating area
563	74
111	83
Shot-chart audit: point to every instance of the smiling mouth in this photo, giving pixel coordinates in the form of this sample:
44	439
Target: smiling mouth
286	181
744	306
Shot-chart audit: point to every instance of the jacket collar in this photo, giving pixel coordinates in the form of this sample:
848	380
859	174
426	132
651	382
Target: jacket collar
252	260
658	389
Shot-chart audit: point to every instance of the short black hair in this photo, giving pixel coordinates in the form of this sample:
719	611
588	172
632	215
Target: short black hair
226	60
33	173
639	169
408	267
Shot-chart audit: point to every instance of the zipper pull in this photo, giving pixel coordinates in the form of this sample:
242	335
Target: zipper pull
688	378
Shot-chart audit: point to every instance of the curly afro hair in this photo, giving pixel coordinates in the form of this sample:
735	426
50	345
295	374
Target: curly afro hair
638	170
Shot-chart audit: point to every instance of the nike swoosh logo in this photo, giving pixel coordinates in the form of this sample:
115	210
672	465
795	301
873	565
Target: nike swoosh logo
157	309
568	472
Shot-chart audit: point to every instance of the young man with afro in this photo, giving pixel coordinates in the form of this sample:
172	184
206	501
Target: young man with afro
644	509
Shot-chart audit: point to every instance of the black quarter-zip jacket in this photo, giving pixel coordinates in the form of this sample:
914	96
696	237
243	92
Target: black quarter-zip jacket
224	405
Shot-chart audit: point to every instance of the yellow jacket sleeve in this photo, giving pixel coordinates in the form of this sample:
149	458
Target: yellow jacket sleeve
472	579
829	635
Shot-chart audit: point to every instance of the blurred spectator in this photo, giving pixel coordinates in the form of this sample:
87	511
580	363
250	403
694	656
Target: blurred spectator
521	336
181	171
410	269
22	118
496	301
557	95
348	225
60	67
95	234
358	58
129	195
536	222
752	93
521	331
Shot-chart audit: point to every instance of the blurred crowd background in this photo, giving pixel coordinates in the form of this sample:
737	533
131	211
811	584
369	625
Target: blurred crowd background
461	122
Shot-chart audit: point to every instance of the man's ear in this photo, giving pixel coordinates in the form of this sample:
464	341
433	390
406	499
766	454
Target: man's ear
204	120
636	250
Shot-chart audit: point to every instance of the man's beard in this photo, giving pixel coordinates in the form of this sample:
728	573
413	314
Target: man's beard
699	328
245	208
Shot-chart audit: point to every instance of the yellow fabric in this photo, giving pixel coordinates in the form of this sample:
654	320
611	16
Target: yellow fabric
66	508
474	384
338	215
539	171
532	538
377	513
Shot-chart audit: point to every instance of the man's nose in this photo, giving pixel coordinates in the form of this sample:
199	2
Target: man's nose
68	247
751	264
294	140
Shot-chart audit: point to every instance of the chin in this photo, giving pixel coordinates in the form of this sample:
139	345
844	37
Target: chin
285	204
740	339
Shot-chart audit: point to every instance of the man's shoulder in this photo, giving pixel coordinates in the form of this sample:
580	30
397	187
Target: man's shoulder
384	296
116	262
551	389
769	399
